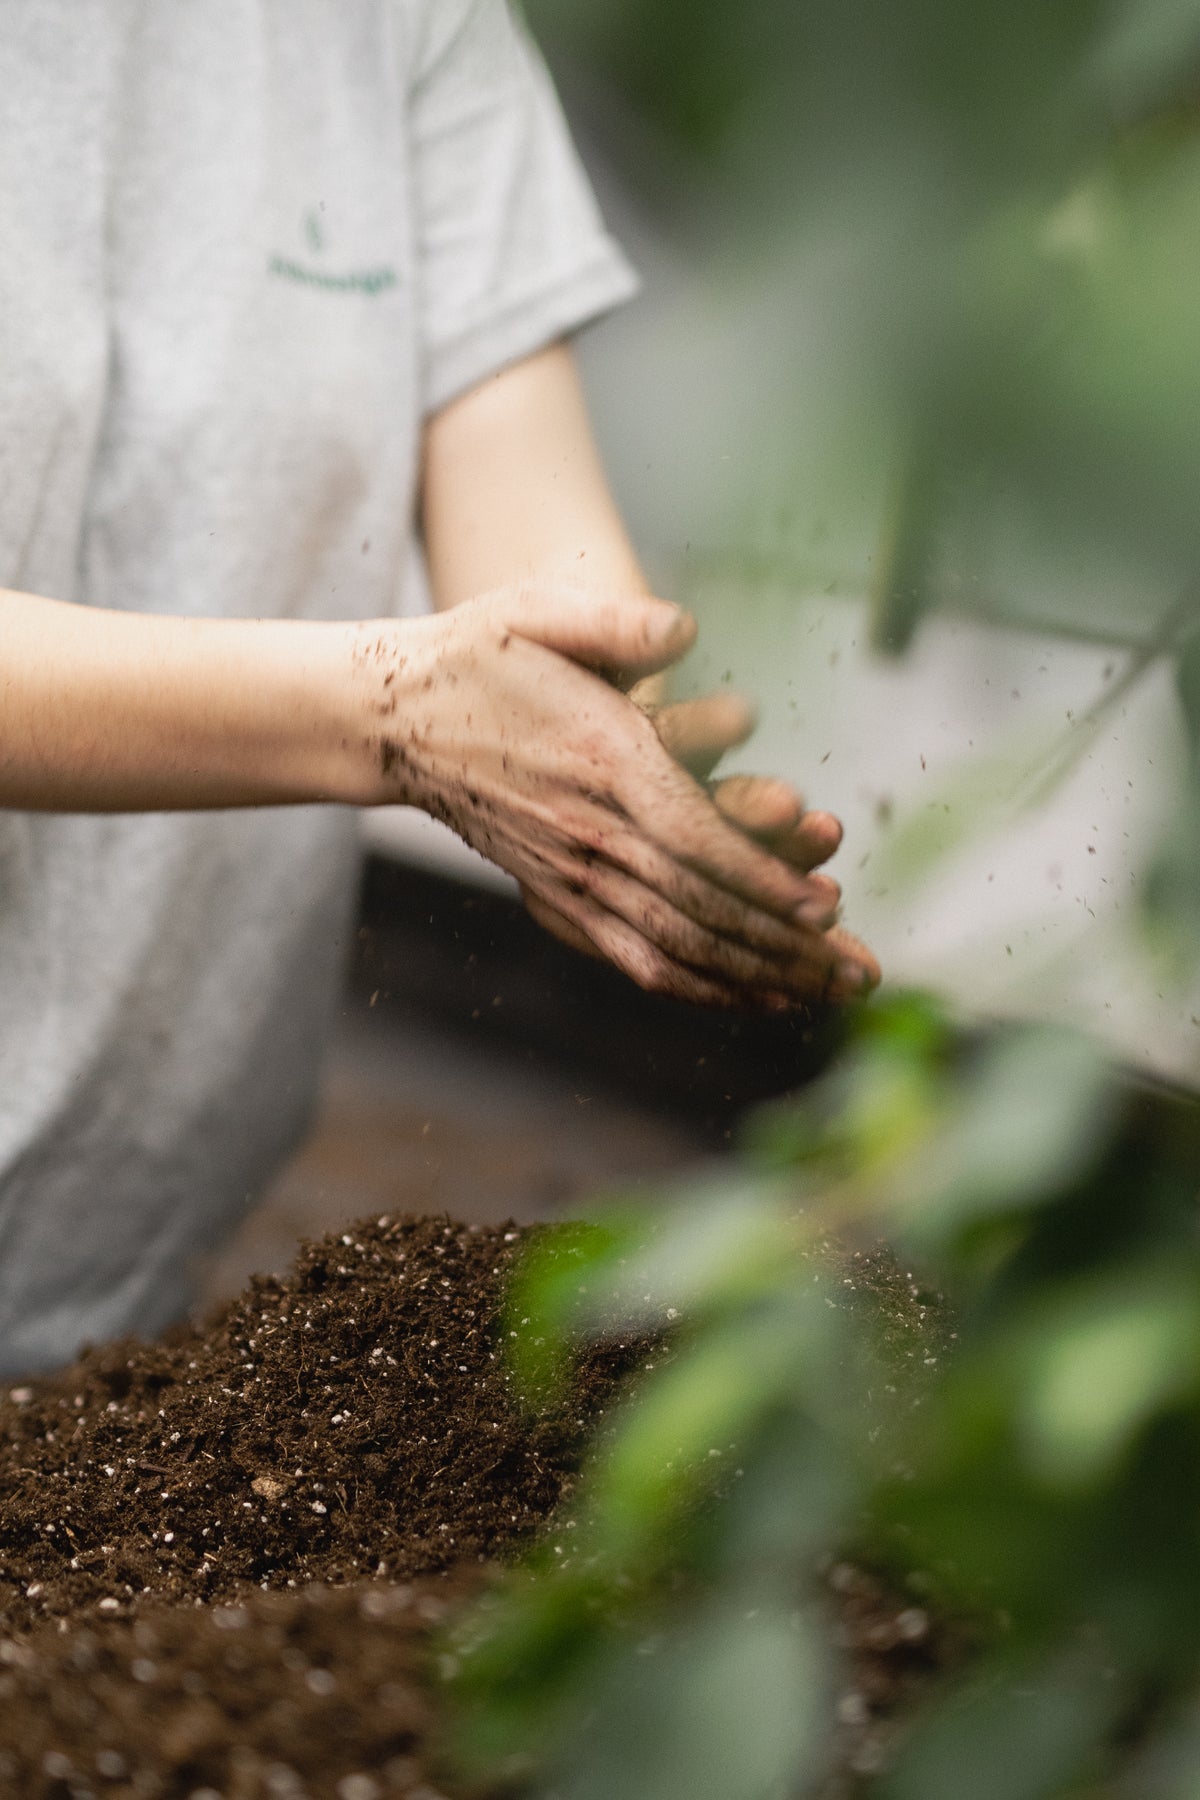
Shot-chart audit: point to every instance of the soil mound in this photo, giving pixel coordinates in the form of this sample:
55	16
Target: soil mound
286	1696
352	1419
345	1439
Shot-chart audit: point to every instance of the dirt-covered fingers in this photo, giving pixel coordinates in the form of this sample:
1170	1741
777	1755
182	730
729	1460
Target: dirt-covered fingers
612	937
811	969
773	811
701	899
631	636
557	924
697	733
852	951
734	862
688	826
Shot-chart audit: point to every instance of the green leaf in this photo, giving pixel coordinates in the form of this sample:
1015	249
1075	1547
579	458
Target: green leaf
725	1238
1109	1358
1031	1116
734	1707
676	1437
550	1285
875	1102
1150	47
1027	1734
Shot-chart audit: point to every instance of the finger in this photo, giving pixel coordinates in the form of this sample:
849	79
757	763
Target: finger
557	924
652	968
759	803
634	878
684	822
851	950
810	842
630	633
650	693
815	970
561	888
857	970
669	905
826	902
772	811
701	899
699	732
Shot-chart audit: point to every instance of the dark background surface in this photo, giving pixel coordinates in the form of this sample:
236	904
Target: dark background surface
481	1068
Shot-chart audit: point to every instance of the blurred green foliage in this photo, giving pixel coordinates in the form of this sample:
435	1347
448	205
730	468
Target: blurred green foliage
976	226
1035	1469
988	218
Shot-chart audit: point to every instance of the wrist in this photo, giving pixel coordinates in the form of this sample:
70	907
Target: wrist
390	668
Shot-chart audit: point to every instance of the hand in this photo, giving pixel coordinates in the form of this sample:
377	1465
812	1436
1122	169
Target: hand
491	718
698	733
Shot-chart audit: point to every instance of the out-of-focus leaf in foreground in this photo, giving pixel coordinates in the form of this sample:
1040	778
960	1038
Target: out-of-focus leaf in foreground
1033	1470
963	241
965	238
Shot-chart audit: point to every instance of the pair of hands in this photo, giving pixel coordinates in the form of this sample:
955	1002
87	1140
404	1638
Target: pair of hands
506	718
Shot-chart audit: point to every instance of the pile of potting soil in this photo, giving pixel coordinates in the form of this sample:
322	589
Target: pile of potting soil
323	1691
345	1439
326	1438
353	1419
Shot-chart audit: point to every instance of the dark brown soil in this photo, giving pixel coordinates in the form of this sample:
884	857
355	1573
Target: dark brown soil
892	1649
320	1692
347	1440
354	1419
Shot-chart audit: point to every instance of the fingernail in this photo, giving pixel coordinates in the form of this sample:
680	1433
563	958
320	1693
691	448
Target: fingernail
825	823
817	910
853	976
678	626
818	899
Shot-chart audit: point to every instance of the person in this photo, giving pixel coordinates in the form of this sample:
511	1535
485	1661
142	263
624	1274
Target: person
281	280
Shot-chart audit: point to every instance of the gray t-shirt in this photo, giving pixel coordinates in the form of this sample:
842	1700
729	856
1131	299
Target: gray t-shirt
245	245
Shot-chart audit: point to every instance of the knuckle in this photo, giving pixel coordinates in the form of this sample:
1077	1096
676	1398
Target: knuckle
593	838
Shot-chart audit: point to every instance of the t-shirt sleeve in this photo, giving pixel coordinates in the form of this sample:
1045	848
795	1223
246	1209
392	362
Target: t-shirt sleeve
511	249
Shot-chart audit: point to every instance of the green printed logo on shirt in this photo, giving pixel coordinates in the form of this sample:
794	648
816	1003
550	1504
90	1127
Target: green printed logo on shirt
360	281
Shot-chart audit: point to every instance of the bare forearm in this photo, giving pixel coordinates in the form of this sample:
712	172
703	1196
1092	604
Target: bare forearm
513	488
483	716
109	711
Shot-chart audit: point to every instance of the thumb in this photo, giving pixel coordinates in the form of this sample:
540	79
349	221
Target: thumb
699	732
634	634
